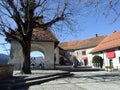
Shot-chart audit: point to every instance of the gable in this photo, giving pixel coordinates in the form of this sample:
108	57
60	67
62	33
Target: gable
112	41
43	35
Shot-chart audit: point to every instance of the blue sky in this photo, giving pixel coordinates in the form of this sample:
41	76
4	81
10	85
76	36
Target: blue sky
89	26
100	26
4	47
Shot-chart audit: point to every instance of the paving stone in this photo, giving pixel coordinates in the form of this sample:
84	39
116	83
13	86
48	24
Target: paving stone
83	81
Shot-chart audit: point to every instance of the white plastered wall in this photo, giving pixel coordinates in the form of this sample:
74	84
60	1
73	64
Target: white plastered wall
16	56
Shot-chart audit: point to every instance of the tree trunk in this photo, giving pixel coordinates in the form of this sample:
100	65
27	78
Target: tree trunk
28	27
26	63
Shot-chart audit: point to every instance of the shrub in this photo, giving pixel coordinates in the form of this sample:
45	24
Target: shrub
98	59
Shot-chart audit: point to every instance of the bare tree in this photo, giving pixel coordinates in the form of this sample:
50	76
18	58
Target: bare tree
112	9
109	8
18	18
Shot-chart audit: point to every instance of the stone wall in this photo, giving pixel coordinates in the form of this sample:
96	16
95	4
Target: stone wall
16	56
57	55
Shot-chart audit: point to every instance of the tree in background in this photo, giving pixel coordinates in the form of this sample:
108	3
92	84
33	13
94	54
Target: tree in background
18	18
97	60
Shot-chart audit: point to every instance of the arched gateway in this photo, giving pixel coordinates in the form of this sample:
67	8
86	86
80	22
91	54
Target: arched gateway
42	40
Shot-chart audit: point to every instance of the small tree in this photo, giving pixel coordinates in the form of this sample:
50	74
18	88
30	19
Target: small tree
97	59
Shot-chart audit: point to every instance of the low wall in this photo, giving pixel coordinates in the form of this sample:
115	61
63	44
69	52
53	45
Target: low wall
6	70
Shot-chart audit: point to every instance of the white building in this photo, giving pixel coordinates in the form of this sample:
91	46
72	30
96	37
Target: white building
109	49
81	49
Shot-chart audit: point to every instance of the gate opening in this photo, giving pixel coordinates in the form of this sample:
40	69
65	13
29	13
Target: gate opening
37	60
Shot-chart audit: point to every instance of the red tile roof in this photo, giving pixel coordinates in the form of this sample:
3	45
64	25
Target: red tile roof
43	35
40	35
68	45
110	42
82	44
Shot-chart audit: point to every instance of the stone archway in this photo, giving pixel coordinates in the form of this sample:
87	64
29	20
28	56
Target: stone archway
16	56
42	40
47	48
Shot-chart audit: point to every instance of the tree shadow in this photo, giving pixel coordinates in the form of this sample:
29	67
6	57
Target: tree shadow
13	83
100	77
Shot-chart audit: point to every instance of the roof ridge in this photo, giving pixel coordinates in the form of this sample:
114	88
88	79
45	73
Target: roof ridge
84	39
86	43
111	41
39	34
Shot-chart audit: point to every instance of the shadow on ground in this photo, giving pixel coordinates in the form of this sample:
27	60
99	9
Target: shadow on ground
100	77
26	80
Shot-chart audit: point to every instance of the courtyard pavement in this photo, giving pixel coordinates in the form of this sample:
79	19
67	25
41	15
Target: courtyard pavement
93	80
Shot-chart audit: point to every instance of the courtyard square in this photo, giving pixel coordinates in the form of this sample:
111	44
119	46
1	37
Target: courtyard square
97	80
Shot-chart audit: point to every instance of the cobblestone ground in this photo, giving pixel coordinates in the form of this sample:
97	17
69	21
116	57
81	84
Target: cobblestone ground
100	80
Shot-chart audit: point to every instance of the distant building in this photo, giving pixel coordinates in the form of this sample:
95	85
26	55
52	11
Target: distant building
80	48
109	50
37	63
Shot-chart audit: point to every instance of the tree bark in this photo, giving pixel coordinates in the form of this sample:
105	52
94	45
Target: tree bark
26	54
27	38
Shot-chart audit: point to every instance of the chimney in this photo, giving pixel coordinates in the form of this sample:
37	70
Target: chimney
96	35
114	31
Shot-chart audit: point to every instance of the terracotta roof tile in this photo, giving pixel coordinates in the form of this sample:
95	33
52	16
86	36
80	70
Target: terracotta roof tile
82	44
43	35
91	42
68	45
112	41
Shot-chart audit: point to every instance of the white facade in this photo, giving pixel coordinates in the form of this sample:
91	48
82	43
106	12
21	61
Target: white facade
78	53
115	60
57	55
106	61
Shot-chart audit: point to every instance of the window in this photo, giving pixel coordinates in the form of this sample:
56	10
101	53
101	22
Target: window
83	52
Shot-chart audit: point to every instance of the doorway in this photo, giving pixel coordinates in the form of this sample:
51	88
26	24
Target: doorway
111	63
37	60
